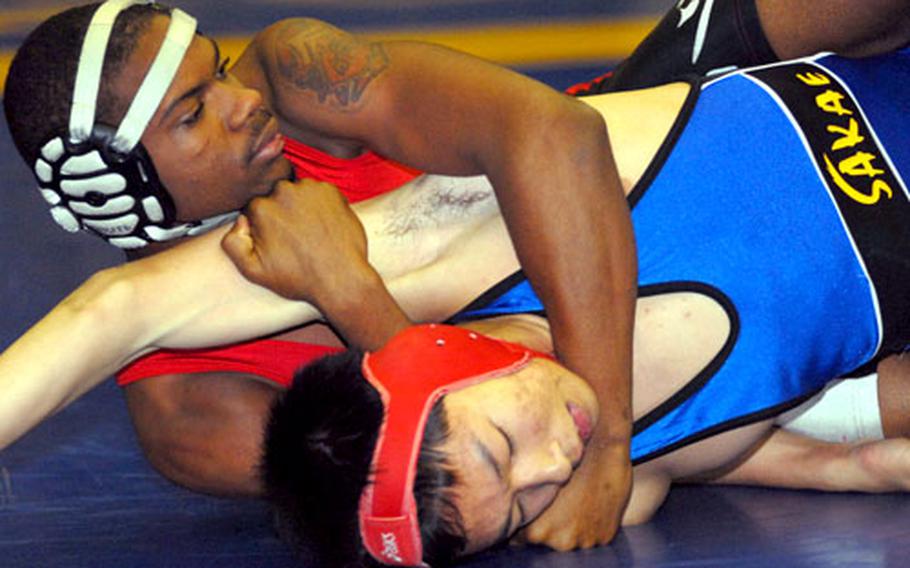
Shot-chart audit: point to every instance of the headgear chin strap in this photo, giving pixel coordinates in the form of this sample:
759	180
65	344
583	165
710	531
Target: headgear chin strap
100	178
411	372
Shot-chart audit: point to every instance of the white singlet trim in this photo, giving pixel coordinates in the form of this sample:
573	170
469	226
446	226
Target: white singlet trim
846	411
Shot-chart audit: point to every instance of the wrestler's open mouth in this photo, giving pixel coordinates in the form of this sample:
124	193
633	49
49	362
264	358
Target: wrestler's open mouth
582	421
269	143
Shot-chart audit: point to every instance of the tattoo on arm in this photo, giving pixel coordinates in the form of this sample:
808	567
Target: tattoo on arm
337	68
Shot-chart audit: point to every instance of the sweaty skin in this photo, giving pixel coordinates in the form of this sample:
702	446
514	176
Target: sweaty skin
573	281
220	306
36	391
302	67
341	94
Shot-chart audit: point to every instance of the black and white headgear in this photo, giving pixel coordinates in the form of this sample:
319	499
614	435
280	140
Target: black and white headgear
100	178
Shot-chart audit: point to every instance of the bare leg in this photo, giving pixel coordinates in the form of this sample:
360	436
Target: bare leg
793	461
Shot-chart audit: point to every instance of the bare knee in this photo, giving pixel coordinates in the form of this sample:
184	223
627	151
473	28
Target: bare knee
204	431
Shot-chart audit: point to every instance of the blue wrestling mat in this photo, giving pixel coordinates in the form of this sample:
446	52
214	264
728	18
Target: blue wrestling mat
76	492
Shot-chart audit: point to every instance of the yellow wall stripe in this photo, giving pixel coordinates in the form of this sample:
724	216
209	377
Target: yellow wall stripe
5	58
528	44
27	18
516	44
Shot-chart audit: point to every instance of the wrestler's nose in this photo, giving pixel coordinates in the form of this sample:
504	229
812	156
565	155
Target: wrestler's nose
547	465
241	103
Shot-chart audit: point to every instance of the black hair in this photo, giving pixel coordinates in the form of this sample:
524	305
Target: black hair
39	88
318	450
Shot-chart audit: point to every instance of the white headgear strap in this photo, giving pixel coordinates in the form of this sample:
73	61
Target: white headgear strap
179	35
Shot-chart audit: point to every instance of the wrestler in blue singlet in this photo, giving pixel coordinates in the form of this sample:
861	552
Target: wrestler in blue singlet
781	196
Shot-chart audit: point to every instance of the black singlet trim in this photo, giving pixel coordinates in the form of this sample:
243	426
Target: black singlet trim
713	365
669	143
869	195
647	178
485	299
732	424
690	388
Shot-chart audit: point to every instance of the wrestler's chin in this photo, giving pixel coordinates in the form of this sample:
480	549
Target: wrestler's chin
279	170
285	169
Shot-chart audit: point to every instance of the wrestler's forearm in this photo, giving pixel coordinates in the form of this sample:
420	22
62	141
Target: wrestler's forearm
793	461
190	296
304	242
193	296
549	160
573	235
367	325
81	341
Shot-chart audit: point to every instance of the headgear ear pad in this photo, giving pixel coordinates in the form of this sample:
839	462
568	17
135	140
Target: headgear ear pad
91	185
99	177
136	167
411	373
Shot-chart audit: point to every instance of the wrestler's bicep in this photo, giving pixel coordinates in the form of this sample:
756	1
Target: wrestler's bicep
319	76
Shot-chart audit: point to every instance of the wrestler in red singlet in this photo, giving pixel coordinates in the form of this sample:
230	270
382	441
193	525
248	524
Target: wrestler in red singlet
359	178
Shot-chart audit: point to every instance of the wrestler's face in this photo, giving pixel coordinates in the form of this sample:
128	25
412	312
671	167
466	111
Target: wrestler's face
213	143
514	441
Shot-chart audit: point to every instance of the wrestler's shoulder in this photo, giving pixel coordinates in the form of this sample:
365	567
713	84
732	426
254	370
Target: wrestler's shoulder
288	45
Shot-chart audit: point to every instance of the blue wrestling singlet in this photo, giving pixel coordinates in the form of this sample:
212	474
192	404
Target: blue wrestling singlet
780	195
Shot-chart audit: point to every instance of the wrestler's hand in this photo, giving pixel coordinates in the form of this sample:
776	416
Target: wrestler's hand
588	510
304	243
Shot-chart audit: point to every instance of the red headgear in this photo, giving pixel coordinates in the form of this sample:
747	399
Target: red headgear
411	372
